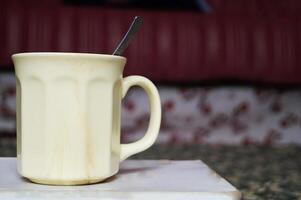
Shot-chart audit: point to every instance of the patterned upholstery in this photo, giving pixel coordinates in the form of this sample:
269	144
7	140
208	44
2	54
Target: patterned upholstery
214	115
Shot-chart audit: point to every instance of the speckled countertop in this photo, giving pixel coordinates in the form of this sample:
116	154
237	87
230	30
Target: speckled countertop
259	172
269	173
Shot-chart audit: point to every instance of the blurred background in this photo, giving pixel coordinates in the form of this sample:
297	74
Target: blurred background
228	73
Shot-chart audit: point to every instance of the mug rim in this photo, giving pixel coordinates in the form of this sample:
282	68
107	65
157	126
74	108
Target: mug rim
95	55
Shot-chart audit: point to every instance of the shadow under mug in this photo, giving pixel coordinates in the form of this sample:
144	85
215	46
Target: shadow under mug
68	116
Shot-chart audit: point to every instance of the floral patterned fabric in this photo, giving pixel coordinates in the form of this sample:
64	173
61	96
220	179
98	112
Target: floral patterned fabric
7	103
219	115
193	115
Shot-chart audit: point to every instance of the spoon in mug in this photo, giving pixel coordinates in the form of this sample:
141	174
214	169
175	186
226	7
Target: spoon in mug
128	36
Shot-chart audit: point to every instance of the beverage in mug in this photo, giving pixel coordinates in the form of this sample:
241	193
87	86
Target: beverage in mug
68	116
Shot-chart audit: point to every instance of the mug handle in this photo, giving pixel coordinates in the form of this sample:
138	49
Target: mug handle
155	116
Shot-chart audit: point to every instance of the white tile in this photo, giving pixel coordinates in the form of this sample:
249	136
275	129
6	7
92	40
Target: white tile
144	179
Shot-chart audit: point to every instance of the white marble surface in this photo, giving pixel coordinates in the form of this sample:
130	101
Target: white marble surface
146	179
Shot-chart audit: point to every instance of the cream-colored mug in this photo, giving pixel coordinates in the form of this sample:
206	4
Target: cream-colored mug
68	116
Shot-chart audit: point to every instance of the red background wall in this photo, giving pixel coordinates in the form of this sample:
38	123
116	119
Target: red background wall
256	40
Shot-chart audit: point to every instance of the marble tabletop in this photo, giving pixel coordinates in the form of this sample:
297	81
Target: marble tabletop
137	179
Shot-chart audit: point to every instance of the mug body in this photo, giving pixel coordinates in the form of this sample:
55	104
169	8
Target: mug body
68	116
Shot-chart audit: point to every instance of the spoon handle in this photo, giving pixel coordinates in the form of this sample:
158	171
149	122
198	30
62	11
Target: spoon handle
128	36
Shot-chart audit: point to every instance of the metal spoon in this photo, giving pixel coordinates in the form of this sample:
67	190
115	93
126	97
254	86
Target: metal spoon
128	36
